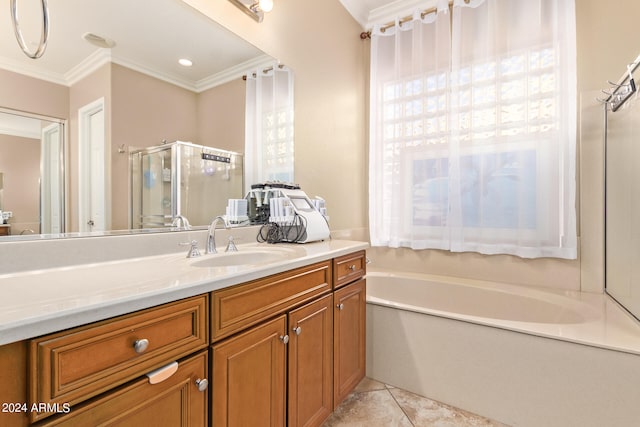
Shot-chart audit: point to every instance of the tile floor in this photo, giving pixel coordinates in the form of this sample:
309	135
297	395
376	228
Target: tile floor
374	404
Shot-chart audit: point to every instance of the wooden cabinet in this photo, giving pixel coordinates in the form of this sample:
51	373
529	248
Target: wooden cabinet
292	369
349	323
310	394
238	307
249	377
179	400
349	353
348	268
252	370
13	384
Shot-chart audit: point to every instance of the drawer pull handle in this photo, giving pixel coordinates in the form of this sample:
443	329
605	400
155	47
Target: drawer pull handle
352	267
202	384
284	339
340	306
163	373
141	345
297	330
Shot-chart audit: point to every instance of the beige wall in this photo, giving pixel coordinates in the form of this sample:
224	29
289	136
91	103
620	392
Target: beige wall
320	43
23	93
145	111
221	116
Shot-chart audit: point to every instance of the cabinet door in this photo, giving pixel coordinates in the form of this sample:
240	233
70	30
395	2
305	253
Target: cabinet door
349	339
310	363
176	401
249	377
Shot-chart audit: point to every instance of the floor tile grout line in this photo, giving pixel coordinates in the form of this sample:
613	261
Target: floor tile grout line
399	406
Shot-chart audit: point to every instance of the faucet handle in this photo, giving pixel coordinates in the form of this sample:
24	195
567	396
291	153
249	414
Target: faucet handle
193	249
231	245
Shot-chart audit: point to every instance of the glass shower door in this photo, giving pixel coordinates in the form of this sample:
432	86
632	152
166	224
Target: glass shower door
154	202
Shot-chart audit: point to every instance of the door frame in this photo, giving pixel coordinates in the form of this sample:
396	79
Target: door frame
91	180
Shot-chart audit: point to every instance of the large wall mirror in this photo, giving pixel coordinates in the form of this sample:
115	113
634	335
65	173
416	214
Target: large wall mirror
112	65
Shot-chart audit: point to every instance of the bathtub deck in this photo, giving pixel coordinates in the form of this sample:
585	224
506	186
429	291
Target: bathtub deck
583	374
602	323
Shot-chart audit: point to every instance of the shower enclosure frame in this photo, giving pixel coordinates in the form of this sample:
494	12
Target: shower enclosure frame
234	159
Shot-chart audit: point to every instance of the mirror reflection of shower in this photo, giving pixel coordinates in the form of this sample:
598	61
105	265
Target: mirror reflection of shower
181	180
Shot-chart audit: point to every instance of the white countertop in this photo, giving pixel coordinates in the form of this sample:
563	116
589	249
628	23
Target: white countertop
48	300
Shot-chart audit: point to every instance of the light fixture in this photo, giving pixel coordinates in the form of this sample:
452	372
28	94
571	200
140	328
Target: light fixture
185	62
254	8
266	5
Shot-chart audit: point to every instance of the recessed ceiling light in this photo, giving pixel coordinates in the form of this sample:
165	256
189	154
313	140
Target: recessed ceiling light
185	62
99	41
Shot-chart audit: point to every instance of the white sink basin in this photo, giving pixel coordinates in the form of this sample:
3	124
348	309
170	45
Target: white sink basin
243	258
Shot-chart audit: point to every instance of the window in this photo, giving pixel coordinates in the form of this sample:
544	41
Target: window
269	126
474	150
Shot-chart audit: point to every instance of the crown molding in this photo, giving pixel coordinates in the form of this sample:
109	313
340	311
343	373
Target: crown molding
104	56
35	72
183	83
90	64
233	73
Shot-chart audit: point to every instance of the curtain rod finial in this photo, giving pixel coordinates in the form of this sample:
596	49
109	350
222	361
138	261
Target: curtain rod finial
365	35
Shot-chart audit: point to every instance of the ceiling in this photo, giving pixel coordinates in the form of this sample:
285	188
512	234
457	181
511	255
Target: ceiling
150	36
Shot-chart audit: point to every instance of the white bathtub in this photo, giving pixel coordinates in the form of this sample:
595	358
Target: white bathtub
522	356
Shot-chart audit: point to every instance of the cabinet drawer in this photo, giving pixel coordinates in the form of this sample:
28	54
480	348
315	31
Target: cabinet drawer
176	401
74	365
349	268
236	308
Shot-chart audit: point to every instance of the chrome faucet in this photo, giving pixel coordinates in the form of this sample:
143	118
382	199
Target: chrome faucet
177	220
211	235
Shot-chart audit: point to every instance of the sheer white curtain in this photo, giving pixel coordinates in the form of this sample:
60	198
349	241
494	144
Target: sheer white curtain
473	130
269	125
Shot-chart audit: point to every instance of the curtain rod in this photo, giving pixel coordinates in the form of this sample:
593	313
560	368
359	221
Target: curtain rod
264	71
367	34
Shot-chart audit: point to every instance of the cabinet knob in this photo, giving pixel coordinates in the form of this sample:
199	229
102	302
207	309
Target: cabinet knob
141	345
297	330
340	306
284	339
202	384
352	267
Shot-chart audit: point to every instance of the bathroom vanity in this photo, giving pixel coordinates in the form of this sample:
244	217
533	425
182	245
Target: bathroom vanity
277	342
